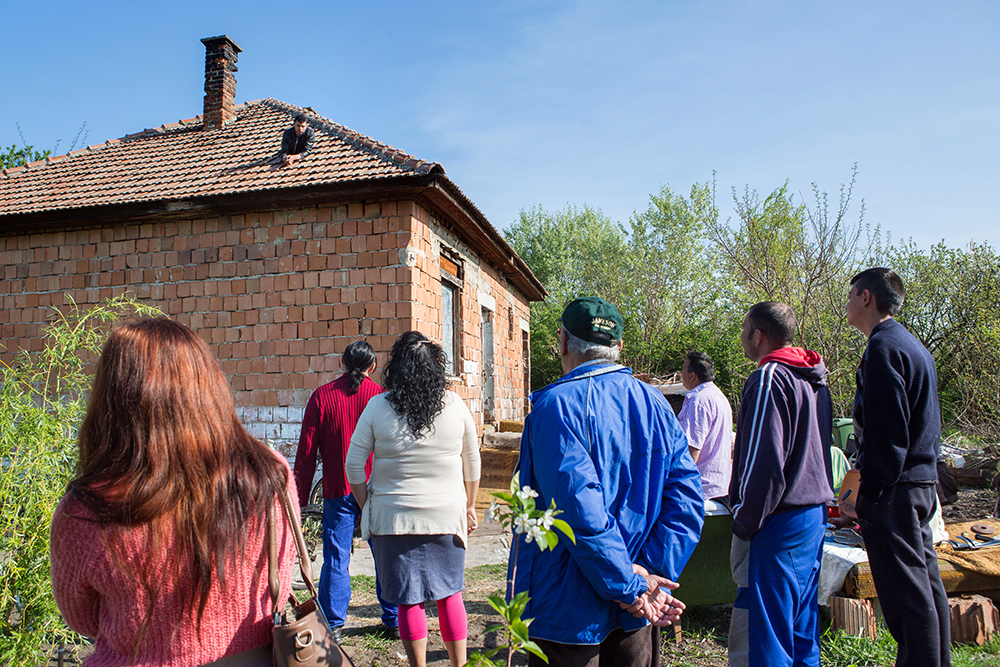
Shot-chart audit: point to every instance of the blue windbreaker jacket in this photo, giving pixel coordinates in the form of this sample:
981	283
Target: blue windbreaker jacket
608	449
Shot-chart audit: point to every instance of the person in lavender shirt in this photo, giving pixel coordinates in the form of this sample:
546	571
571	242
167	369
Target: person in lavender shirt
707	420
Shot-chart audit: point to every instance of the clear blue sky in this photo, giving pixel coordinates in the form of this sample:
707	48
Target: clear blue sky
532	102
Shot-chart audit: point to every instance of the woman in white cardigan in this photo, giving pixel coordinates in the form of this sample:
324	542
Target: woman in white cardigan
419	504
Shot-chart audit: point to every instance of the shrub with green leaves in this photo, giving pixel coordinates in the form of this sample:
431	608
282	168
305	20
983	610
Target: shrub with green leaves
42	401
517	511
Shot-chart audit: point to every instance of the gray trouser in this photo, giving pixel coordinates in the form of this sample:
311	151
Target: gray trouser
739	624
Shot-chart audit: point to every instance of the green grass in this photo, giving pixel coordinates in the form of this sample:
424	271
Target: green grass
363	583
370	638
838	649
970	655
843	650
488	571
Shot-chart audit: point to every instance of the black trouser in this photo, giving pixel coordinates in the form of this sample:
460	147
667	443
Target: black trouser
640	648
905	572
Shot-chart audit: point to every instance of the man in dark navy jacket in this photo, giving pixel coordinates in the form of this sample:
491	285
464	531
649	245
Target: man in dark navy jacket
778	491
897	423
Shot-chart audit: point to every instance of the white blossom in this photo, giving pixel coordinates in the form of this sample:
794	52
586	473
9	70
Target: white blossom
527	492
546	519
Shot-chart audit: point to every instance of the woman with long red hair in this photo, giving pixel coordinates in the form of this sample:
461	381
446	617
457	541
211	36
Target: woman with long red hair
158	549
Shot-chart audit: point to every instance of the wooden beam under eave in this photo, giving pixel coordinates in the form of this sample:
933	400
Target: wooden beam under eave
225	204
486	240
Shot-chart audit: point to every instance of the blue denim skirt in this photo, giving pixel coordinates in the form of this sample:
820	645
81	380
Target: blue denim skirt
418	568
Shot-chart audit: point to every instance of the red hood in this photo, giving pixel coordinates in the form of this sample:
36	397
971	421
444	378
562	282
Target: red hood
794	356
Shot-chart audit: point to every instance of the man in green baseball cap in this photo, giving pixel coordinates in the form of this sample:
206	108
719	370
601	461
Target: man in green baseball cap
591	332
608	451
594	320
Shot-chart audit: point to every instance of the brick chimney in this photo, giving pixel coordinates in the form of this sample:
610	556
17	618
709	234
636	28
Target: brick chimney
220	82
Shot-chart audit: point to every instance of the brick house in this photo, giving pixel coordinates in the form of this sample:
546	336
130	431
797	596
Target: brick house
278	268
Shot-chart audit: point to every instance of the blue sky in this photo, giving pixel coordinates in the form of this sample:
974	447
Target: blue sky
530	102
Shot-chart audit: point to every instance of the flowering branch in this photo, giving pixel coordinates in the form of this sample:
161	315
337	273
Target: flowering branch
518	512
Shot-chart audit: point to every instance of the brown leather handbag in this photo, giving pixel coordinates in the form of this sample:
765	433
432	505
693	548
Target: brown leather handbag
301	635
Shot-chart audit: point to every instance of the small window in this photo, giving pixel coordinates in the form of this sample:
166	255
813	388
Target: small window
451	310
449	303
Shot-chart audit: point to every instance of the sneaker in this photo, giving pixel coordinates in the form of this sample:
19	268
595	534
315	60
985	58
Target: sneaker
337	633
391	633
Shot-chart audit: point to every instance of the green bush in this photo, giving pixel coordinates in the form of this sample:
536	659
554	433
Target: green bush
42	400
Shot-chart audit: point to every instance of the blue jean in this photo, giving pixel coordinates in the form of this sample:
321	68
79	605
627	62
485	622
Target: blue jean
335	578
776	614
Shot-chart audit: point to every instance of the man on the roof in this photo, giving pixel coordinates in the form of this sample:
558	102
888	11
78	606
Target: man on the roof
296	142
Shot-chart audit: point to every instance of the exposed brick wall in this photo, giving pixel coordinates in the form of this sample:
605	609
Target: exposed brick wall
279	295
481	284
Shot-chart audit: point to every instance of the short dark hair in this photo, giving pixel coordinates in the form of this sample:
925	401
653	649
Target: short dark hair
701	365
300	118
775	320
885	286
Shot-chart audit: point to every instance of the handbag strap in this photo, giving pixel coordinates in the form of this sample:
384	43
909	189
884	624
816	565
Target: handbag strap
273	578
305	564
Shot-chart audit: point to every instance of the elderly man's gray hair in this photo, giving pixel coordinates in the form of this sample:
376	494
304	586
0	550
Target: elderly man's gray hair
590	351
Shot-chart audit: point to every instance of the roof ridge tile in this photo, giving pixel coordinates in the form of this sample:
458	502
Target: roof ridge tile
160	163
357	139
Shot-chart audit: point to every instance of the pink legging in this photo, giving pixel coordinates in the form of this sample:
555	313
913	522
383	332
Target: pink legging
451	614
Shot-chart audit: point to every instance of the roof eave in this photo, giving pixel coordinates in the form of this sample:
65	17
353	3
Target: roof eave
223	204
433	187
484	237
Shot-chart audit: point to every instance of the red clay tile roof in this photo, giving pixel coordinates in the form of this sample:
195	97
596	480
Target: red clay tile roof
180	161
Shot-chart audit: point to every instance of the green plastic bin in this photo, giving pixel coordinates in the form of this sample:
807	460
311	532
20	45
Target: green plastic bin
843	427
707	578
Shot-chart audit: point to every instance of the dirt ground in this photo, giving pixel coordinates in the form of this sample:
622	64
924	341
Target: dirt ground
704	636
973	503
703	643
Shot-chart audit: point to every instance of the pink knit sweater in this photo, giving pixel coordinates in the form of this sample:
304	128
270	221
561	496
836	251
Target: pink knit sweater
101	602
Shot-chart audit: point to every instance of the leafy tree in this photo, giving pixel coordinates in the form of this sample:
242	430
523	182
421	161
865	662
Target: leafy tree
568	251
783	250
13	156
953	306
660	286
682	279
42	401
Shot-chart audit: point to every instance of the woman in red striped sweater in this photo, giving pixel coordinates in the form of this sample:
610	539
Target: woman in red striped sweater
327	426
157	549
